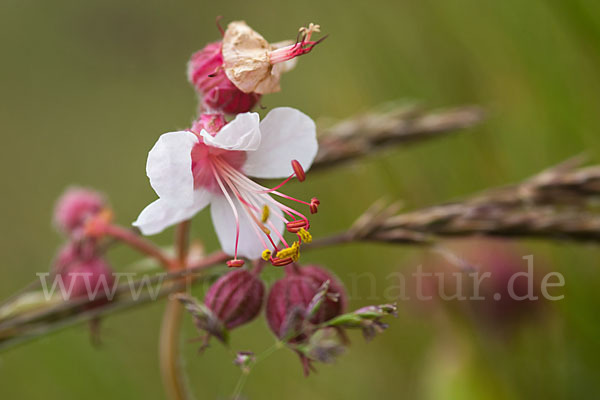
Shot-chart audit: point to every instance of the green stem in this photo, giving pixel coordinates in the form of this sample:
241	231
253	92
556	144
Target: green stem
240	385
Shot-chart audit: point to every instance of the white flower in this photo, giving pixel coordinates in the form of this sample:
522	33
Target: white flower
190	170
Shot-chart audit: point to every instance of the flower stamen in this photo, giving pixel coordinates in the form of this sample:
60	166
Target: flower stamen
280	262
233	208
266	254
314	205
304	235
296	225
235	263
298	170
265	213
256	202
292	252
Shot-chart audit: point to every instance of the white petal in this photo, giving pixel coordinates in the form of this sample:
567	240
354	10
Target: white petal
286	134
162	213
249	244
169	167
242	133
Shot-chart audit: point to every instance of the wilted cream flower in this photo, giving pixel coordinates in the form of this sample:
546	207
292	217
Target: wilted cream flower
254	65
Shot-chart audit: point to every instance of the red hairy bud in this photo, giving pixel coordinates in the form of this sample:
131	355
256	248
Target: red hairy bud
66	256
71	254
290	297
330	308
236	298
75	207
91	278
206	73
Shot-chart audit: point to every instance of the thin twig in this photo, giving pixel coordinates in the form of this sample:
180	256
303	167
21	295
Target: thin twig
32	324
75	312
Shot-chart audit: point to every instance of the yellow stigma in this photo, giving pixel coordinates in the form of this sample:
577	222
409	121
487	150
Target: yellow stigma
265	214
293	252
266	254
305	235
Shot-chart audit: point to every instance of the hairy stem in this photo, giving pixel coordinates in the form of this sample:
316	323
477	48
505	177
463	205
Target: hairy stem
182	241
140	244
170	363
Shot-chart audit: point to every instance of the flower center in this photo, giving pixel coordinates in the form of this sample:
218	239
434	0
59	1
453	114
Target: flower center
256	202
204	157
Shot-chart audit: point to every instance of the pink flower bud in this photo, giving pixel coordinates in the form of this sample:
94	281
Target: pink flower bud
290	297
91	278
286	305
330	308
75	207
236	298
72	253
217	92
66	256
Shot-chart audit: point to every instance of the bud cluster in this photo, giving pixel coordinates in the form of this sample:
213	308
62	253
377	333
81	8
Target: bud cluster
305	309
79	262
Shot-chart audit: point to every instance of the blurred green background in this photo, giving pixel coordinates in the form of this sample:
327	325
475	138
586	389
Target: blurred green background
86	87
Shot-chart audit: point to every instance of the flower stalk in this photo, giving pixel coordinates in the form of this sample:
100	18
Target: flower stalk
170	359
136	242
170	364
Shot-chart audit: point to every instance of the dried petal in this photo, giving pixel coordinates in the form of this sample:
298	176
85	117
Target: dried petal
246	60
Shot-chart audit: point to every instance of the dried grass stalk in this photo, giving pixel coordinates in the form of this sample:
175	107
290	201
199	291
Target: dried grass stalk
365	134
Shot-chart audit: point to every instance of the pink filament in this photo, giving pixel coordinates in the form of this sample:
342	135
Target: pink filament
229	179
